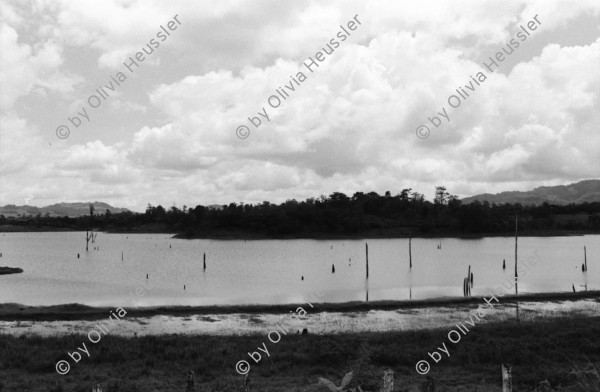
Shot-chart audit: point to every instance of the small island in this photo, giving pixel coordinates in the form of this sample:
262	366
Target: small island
10	270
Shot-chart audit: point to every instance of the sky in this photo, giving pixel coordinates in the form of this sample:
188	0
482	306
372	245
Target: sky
187	123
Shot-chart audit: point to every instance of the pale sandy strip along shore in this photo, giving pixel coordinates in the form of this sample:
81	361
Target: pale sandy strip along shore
316	322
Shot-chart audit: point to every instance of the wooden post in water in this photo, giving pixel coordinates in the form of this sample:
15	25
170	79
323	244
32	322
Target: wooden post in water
121	256
469	278
516	259
410	249
506	378
204	262
367	254
585	265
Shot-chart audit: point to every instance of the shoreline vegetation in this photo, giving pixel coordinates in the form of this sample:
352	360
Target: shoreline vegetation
562	350
337	216
375	234
18	312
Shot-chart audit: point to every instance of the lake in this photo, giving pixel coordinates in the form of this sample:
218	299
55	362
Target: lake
270	271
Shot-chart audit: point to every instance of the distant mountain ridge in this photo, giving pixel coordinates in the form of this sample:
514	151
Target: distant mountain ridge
580	192
71	210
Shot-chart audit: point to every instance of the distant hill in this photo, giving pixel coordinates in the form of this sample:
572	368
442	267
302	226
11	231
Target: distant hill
583	191
71	210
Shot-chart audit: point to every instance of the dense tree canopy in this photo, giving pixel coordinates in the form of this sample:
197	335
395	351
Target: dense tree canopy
362	214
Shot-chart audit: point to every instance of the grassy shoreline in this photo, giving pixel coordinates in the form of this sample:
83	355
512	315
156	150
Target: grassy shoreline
558	349
562	349
17	312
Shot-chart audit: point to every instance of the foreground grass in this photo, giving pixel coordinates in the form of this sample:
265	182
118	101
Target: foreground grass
561	350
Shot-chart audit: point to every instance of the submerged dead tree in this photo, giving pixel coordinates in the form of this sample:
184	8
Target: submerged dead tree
367	254
468	283
89	236
516	258
516	263
410	249
584	267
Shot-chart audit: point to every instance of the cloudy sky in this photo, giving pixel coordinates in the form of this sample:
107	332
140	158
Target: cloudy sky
166	133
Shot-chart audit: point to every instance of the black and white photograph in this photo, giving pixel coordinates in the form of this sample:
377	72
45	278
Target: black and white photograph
299	196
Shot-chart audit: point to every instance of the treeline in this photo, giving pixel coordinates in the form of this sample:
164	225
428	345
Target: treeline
362	214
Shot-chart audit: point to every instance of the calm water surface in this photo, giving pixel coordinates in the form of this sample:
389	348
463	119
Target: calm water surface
270	271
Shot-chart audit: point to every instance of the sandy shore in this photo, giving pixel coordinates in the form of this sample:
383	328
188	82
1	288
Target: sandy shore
320	319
